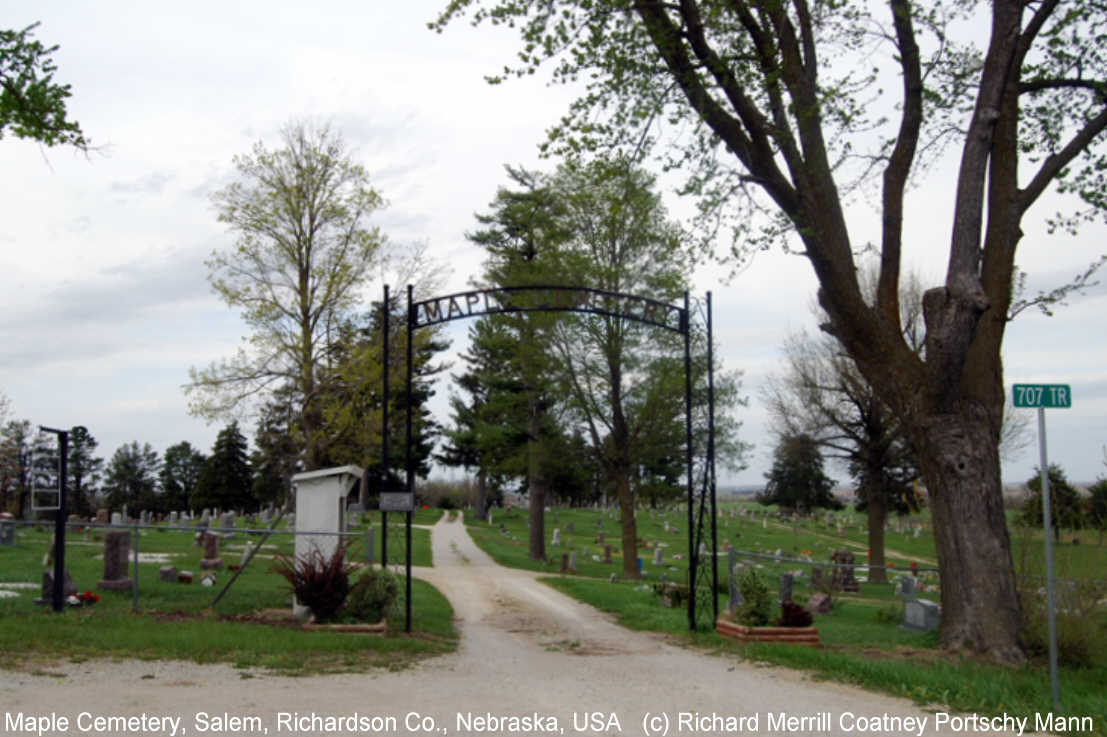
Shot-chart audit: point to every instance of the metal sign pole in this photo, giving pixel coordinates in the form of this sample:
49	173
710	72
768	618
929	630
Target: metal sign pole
693	560
386	311
1042	397
407	457
1046	526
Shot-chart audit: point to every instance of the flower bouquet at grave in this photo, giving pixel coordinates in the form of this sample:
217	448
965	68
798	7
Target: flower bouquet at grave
86	599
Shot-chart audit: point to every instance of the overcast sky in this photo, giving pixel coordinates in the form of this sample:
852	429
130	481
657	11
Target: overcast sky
106	301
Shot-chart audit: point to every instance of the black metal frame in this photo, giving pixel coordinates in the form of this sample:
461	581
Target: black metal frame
590	301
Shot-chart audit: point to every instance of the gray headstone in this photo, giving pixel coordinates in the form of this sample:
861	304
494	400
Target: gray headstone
68	587
657	555
117	518
556	537
735	596
168	573
117	546
7	532
211	557
785	588
907	587
921	615
819	604
572	562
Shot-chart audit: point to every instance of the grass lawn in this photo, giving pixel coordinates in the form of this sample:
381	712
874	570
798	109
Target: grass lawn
178	621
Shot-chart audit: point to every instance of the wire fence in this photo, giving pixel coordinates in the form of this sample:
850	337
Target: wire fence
154	563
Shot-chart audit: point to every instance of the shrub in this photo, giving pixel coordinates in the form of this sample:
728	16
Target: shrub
319	583
373	596
1081	636
756	607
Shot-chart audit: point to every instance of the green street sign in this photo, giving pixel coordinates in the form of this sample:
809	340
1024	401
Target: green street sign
1045	396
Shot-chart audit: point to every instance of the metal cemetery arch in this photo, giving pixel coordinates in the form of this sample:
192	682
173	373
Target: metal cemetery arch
479	302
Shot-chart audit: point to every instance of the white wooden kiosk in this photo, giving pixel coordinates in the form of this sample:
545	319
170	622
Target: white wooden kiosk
321	507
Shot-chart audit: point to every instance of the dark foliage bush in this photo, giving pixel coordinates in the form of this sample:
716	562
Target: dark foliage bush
320	583
793	615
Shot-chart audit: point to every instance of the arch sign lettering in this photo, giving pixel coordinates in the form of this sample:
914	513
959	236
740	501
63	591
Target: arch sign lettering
646	310
548	299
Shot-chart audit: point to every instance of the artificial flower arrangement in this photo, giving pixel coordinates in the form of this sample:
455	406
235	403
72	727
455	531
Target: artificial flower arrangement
87	597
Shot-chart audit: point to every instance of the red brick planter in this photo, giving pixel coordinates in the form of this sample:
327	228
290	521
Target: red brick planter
808	636
379	628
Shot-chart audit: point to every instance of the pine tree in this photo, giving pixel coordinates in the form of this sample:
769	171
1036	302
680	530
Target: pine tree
225	480
797	481
180	472
132	478
84	470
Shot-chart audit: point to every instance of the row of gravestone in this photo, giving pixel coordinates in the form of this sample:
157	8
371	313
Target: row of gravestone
117	549
226	520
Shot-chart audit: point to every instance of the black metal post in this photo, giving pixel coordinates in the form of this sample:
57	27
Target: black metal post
59	522
407	453
711	460
387	396
686	326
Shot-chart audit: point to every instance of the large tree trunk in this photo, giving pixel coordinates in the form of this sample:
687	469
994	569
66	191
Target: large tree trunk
877	508
536	482
980	604
627	522
482	495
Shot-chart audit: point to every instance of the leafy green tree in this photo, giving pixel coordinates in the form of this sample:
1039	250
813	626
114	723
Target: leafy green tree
1066	508
767	109
131	478
303	249
32	104
180	473
616	237
797	481
353	401
226	478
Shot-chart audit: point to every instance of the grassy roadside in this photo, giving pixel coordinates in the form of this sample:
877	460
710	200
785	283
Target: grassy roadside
248	628
861	641
246	641
860	647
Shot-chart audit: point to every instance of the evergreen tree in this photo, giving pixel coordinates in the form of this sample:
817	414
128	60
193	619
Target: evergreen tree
132	478
520	237
1065	506
19	445
85	471
797	481
225	480
276	458
1097	507
180	472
